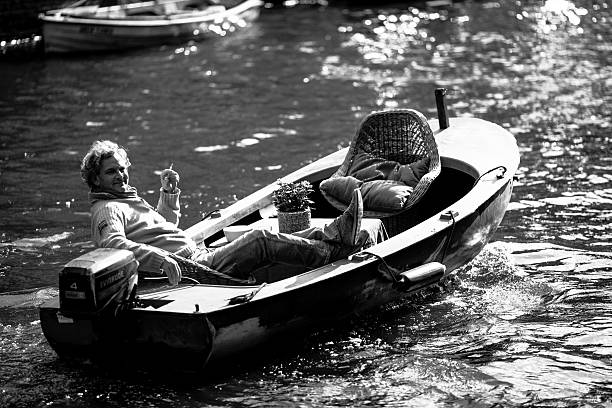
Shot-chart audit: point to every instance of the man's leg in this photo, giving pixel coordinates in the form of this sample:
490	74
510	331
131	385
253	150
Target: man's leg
345	228
310	248
342	230
262	247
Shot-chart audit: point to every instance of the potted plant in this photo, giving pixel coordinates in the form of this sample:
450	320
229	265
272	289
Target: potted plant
293	205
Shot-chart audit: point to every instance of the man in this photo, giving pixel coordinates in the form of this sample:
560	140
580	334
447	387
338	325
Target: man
123	220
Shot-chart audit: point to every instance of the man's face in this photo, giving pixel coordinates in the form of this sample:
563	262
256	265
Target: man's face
113	176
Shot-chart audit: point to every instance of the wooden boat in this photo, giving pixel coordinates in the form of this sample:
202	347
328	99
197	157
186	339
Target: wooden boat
193	325
89	28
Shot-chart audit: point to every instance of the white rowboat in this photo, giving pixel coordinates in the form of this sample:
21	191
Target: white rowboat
142	24
191	326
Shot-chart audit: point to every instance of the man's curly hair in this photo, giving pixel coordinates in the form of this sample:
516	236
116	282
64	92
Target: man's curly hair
100	150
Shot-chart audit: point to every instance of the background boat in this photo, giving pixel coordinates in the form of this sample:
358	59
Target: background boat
82	28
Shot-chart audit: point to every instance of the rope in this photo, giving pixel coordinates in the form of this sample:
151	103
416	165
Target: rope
450	237
489	171
390	272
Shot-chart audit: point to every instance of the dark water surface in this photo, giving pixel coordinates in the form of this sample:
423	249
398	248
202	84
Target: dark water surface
528	323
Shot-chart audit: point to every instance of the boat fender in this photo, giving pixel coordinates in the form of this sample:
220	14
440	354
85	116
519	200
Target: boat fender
412	279
421	276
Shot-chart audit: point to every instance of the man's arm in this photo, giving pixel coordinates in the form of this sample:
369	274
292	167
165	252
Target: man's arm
108	231
168	205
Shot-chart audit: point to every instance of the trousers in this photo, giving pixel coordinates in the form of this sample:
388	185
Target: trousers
260	247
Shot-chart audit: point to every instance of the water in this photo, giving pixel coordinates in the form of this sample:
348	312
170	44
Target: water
528	323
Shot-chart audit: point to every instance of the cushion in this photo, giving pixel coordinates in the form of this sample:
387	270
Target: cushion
341	188
385	195
367	167
413	172
378	195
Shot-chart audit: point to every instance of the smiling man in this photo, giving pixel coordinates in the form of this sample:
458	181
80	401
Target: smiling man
123	220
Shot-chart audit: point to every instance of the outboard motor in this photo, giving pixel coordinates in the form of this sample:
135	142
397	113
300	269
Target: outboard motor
98	283
93	291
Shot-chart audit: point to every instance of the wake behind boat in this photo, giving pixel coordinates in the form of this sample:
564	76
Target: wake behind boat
89	28
99	315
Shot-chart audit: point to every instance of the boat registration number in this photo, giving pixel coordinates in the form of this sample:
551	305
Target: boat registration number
95	30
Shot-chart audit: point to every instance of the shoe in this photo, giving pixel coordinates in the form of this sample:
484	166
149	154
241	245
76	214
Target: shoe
345	228
341	251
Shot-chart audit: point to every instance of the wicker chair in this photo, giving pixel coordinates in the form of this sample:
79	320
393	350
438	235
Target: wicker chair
401	135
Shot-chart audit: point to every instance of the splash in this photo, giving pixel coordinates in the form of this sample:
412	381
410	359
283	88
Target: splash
26	298
499	287
32	243
552	258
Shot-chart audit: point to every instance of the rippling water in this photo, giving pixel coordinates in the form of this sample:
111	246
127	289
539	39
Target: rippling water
528	323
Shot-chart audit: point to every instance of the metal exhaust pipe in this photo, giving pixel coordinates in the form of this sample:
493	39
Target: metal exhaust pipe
441	106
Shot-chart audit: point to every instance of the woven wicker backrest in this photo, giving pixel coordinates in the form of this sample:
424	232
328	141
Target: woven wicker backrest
397	136
401	135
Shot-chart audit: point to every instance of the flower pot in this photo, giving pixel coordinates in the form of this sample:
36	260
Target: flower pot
289	222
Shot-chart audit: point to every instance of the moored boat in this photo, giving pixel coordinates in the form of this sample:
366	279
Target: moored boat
90	28
190	326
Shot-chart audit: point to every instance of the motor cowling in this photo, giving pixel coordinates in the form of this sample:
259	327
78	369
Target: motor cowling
98	282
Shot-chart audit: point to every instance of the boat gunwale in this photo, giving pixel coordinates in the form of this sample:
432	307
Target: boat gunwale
56	17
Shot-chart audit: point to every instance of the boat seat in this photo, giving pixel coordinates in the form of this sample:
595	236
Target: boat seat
393	136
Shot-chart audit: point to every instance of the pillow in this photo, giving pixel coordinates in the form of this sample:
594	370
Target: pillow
413	172
385	195
367	167
340	188
378	195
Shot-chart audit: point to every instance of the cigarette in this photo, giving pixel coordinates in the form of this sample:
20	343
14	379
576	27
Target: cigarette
171	164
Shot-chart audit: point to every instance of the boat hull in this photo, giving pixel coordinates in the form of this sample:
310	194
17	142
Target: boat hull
188	341
145	338
444	237
358	289
68	34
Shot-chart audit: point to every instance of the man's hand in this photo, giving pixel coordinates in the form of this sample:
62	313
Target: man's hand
171	268
169	180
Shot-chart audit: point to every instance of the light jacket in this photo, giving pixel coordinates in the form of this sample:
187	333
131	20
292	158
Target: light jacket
133	224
